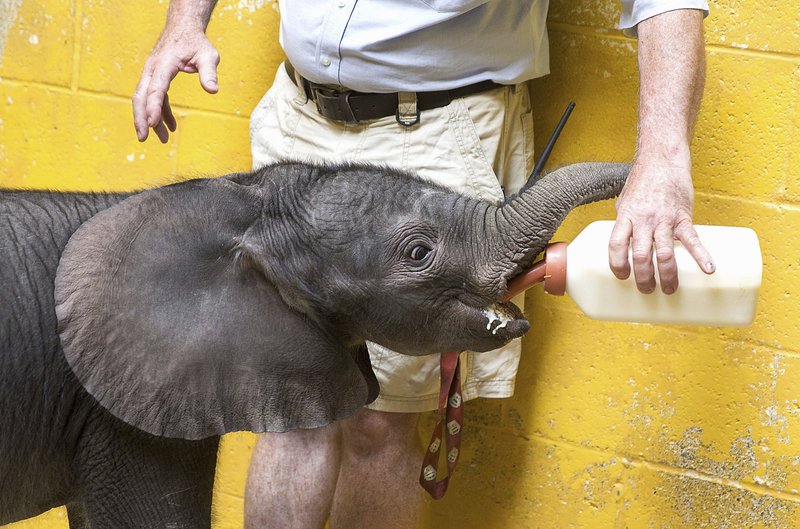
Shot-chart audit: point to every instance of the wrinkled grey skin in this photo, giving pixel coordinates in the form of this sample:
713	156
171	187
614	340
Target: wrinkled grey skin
240	303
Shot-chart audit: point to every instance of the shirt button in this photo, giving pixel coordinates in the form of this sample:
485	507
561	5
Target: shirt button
341	3
325	61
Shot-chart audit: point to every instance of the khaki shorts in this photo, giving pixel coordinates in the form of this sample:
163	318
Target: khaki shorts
464	146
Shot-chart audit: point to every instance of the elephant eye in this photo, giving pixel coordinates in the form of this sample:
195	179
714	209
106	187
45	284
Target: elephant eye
419	252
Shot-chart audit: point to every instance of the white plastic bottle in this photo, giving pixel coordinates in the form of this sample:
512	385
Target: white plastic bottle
725	298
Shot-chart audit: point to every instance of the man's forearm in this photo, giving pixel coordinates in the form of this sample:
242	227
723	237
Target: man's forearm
672	73
657	203
190	13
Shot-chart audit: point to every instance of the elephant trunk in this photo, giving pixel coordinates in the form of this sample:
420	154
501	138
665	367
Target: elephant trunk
529	219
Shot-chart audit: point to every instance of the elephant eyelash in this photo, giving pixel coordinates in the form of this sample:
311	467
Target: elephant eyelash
413	249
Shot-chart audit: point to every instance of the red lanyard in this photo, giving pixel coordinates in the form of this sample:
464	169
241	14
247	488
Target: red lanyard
449	422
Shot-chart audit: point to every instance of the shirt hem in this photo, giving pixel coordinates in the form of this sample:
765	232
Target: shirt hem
497	389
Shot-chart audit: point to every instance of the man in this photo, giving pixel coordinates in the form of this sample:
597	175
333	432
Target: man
458	113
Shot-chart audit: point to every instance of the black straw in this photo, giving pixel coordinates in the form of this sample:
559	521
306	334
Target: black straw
552	141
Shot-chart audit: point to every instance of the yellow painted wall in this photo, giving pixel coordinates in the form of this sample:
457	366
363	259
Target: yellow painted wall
613	425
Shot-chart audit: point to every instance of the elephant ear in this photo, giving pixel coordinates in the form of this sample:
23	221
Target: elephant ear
166	322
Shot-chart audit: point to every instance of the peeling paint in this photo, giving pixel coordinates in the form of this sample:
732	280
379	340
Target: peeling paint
702	502
740	463
774	414
647	403
249	6
8	14
597	481
705	504
252	5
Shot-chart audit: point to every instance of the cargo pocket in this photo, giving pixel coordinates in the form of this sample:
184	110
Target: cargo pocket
273	122
526	116
479	122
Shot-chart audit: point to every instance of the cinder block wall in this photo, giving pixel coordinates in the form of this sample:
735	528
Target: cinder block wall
612	425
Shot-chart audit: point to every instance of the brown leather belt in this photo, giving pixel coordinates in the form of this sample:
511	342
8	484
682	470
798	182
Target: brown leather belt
352	107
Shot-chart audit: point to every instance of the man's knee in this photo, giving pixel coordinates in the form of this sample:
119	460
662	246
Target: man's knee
369	432
303	439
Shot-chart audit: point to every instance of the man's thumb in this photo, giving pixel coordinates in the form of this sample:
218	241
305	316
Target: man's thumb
207	68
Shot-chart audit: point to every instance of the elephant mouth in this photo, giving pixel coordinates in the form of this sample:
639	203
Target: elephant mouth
484	323
502	316
490	326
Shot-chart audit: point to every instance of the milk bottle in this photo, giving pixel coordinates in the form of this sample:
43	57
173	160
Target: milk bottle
725	298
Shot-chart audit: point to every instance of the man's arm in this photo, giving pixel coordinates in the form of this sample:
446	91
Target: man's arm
657	203
182	47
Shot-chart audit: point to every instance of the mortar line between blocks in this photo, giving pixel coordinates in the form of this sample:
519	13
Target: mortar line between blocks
616	34
761	490
735	50
790	206
672	470
696	331
20	83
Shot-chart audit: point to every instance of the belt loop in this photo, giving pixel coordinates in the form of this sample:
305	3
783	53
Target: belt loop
303	94
306	88
407	111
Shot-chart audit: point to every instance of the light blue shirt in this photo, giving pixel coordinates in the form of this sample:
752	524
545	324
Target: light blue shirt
425	45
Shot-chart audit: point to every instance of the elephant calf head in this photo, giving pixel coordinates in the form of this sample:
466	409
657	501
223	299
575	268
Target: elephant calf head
243	303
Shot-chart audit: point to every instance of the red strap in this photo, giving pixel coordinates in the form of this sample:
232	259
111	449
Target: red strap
451	402
451	417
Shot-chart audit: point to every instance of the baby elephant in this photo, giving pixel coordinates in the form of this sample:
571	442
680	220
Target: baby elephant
135	329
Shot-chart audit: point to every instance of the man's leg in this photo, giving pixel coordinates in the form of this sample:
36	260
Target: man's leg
292	479
293	475
378	484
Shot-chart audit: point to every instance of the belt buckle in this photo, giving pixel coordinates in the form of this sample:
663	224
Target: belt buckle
344	101
344	110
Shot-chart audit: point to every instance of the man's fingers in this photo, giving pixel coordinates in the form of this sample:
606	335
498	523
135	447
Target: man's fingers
665	259
151	106
169	117
207	68
139	101
163	74
161	131
618	246
642	254
686	233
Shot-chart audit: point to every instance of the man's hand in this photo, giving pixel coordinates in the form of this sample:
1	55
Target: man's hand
182	47
655	207
657	202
